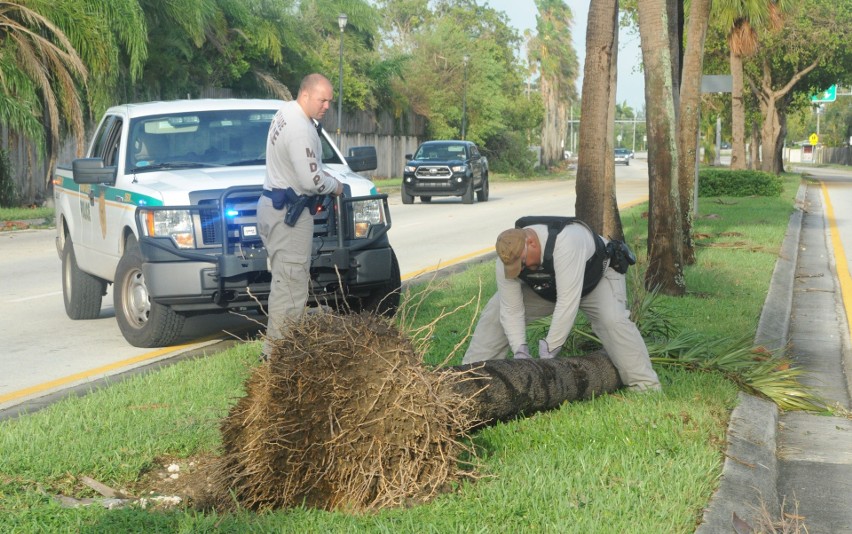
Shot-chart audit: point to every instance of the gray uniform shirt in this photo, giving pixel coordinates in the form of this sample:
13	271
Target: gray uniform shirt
574	246
294	154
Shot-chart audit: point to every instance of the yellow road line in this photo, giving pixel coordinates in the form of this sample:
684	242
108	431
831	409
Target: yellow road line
840	262
64	381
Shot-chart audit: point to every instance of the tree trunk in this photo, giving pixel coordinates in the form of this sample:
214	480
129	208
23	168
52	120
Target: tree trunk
555	122
665	232
738	154
507	389
689	119
754	148
773	105
595	166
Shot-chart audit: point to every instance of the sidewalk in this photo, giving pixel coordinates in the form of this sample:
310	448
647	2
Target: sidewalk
797	466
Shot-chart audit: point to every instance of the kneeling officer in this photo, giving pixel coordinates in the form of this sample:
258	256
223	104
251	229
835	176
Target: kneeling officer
575	270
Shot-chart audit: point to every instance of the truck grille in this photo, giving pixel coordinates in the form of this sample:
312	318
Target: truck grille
435	172
241	211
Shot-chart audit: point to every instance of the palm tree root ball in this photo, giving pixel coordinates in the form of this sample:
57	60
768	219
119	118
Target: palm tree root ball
343	416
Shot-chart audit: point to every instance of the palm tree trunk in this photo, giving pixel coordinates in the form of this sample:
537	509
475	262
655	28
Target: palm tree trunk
689	118
738	153
665	232
596	166
507	389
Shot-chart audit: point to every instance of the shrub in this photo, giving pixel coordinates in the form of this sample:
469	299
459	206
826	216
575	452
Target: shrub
8	188
724	182
509	153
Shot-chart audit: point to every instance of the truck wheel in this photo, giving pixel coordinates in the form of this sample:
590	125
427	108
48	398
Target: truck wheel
482	194
142	322
467	197
406	198
384	300
81	291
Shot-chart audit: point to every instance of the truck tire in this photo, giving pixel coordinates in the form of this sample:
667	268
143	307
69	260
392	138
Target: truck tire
482	194
406	198
384	300
467	197
143	323
81	291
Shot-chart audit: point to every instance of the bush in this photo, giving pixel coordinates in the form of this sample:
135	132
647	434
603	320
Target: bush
8	189
509	153
728	183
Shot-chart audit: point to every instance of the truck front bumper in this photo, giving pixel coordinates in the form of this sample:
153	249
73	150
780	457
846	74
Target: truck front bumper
196	286
455	185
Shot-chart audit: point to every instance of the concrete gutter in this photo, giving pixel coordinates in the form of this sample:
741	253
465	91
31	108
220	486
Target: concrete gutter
748	487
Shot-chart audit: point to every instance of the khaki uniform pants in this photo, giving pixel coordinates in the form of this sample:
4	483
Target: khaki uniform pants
289	250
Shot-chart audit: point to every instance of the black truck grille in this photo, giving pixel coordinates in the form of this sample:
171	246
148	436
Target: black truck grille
241	212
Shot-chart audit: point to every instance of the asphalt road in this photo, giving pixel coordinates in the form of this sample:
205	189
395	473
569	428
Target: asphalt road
42	351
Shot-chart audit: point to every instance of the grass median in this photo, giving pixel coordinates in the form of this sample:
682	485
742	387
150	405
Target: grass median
619	463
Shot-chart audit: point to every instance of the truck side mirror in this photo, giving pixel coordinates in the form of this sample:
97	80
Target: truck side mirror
92	171
409	157
362	158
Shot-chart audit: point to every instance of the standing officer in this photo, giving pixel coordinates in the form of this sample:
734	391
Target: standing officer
293	170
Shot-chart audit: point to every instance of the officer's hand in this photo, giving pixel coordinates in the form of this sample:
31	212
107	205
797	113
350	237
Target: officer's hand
523	352
544	351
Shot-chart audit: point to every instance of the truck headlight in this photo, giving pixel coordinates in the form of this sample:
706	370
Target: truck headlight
459	168
367	213
410	168
175	224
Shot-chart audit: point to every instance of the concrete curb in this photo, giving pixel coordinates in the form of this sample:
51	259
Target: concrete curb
750	471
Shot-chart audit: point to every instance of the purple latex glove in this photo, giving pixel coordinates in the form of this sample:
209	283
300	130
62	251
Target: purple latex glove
544	351
523	353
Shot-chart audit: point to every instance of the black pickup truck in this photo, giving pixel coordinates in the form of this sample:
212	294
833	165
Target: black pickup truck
445	168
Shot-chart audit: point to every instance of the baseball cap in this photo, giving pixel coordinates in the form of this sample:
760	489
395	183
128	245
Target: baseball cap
510	246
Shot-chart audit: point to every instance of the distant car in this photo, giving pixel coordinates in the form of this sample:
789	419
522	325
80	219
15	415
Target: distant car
445	168
725	145
622	155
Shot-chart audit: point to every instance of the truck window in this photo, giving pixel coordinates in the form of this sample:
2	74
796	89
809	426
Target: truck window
201	139
108	140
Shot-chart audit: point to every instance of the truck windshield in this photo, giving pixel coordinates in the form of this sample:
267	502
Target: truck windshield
202	139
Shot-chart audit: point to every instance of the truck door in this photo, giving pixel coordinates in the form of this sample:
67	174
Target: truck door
476	164
93	199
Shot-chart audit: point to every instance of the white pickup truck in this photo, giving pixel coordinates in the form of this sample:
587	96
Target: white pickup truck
164	208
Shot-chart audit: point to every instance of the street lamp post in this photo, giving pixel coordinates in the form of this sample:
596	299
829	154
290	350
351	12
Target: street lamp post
465	58
341	22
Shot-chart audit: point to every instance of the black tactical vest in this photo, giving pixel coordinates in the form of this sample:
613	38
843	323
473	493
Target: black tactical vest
543	280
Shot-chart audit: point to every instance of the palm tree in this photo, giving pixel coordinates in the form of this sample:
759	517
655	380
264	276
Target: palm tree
553	54
688	118
39	75
743	18
596	202
665	240
58	59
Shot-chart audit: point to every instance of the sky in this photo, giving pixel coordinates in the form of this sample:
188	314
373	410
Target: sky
631	82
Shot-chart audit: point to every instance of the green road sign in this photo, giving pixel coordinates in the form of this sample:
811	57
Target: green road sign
829	95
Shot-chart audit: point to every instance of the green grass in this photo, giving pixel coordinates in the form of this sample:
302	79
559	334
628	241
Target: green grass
25	213
620	463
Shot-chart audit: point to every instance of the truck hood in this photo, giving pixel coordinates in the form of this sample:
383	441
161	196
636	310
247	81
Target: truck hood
447	162
174	186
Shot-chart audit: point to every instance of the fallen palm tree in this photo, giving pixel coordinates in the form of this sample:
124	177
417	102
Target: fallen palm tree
345	416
